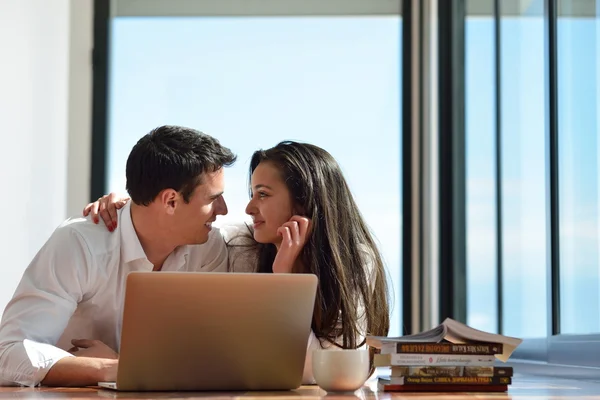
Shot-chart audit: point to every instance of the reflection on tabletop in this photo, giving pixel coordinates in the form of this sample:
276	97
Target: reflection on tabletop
525	387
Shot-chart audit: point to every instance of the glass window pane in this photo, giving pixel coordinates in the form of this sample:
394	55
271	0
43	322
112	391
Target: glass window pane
578	41
523	133
480	131
252	82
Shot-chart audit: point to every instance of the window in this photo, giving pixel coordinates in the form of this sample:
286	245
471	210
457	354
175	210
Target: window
252	81
280	69
523	185
505	107
578	78
480	138
548	85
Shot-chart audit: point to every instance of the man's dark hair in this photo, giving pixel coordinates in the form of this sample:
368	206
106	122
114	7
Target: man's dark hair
172	157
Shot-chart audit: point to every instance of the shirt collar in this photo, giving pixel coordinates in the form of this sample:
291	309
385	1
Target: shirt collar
177	259
131	248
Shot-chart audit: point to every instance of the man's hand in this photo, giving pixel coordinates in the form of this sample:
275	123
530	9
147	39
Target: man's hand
92	348
81	371
295	234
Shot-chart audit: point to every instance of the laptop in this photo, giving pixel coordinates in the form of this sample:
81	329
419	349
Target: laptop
205	331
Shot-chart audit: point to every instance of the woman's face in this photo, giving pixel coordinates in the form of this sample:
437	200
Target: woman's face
271	204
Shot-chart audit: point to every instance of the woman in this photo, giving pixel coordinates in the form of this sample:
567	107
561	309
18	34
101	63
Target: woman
306	221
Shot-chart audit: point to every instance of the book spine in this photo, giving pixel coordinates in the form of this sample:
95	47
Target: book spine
386	360
448	380
451	371
442	388
442	348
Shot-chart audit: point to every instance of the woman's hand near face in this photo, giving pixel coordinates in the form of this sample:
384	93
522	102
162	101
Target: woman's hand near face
295	234
106	206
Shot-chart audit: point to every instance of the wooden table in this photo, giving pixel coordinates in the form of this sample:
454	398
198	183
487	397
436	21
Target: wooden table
523	387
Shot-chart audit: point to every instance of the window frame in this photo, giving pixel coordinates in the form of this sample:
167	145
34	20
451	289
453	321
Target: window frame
244	8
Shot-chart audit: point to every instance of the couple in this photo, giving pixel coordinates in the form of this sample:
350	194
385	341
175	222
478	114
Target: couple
62	327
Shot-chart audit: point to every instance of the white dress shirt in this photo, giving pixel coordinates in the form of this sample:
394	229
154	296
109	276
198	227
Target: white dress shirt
74	289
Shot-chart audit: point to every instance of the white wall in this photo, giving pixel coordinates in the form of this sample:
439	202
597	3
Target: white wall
45	108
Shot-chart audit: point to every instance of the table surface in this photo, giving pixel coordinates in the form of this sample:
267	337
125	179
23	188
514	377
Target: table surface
524	387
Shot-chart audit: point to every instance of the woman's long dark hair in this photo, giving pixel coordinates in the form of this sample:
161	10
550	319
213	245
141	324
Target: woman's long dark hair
340	249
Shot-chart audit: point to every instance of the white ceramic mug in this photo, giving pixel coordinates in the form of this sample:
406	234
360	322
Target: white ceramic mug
338	370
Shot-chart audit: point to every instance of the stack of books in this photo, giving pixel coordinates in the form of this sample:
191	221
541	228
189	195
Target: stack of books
450	357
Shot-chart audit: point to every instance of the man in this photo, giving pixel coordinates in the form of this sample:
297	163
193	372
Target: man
63	324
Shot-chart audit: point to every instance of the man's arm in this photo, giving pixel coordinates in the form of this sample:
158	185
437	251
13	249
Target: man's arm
57	279
81	371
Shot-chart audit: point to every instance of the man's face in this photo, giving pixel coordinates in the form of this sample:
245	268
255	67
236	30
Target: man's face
193	220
